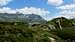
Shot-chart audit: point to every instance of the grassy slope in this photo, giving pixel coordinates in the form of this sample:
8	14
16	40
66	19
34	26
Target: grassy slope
68	31
21	32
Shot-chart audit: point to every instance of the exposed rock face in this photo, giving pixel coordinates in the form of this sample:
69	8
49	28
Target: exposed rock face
30	18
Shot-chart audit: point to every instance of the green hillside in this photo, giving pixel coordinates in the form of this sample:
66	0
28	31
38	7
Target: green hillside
23	32
56	30
67	33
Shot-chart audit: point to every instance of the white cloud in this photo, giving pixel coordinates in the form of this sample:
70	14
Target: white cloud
67	10
55	2
67	13
7	10
68	6
4	2
27	10
32	10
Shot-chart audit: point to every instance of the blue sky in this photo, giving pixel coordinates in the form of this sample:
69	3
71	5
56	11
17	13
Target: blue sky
51	8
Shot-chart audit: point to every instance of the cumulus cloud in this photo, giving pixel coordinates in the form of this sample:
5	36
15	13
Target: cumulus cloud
4	2
68	13
68	6
67	10
32	10
7	10
55	2
26	10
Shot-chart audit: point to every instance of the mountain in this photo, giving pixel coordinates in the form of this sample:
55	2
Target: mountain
64	22
59	18
30	18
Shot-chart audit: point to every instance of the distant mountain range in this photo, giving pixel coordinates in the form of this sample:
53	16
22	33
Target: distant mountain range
30	18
